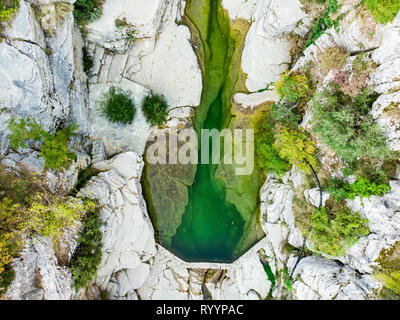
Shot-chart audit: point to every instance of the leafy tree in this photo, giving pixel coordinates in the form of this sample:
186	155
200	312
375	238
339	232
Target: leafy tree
346	126
155	108
334	230
285	114
87	256
384	11
295	146
118	106
293	87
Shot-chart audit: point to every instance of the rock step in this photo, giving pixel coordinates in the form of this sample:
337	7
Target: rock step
98	153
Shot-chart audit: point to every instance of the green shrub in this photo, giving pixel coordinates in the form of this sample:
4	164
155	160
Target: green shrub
293	87
285	114
325	22
363	188
155	108
23	130
384	11
335	229
118	106
8	8
54	149
267	156
389	273
295	146
6	278
346	126
87	11
87	256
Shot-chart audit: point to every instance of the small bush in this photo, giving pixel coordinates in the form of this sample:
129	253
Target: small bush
295	146
336	229
285	114
87	11
54	149
23	130
384	11
8	8
87	256
389	265
363	188
155	108
293	87
118	106
346	126
7	276
333	58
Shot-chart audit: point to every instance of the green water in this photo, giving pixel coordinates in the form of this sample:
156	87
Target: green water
211	227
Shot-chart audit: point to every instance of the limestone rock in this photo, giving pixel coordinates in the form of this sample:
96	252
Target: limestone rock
128	236
318	278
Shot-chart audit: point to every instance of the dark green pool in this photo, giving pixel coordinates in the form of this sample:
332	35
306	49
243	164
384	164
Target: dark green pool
187	203
211	228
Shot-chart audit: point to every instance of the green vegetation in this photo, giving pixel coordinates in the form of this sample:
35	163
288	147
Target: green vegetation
389	273
87	256
55	151
384	11
87	11
346	126
7	276
267	156
335	228
118	106
155	108
285	114
293	87
54	148
295	146
363	187
325	22
127	30
28	207
8	8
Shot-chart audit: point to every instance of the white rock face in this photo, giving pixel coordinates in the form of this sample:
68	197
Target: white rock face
38	275
386	109
266	54
160	59
321	279
128	236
